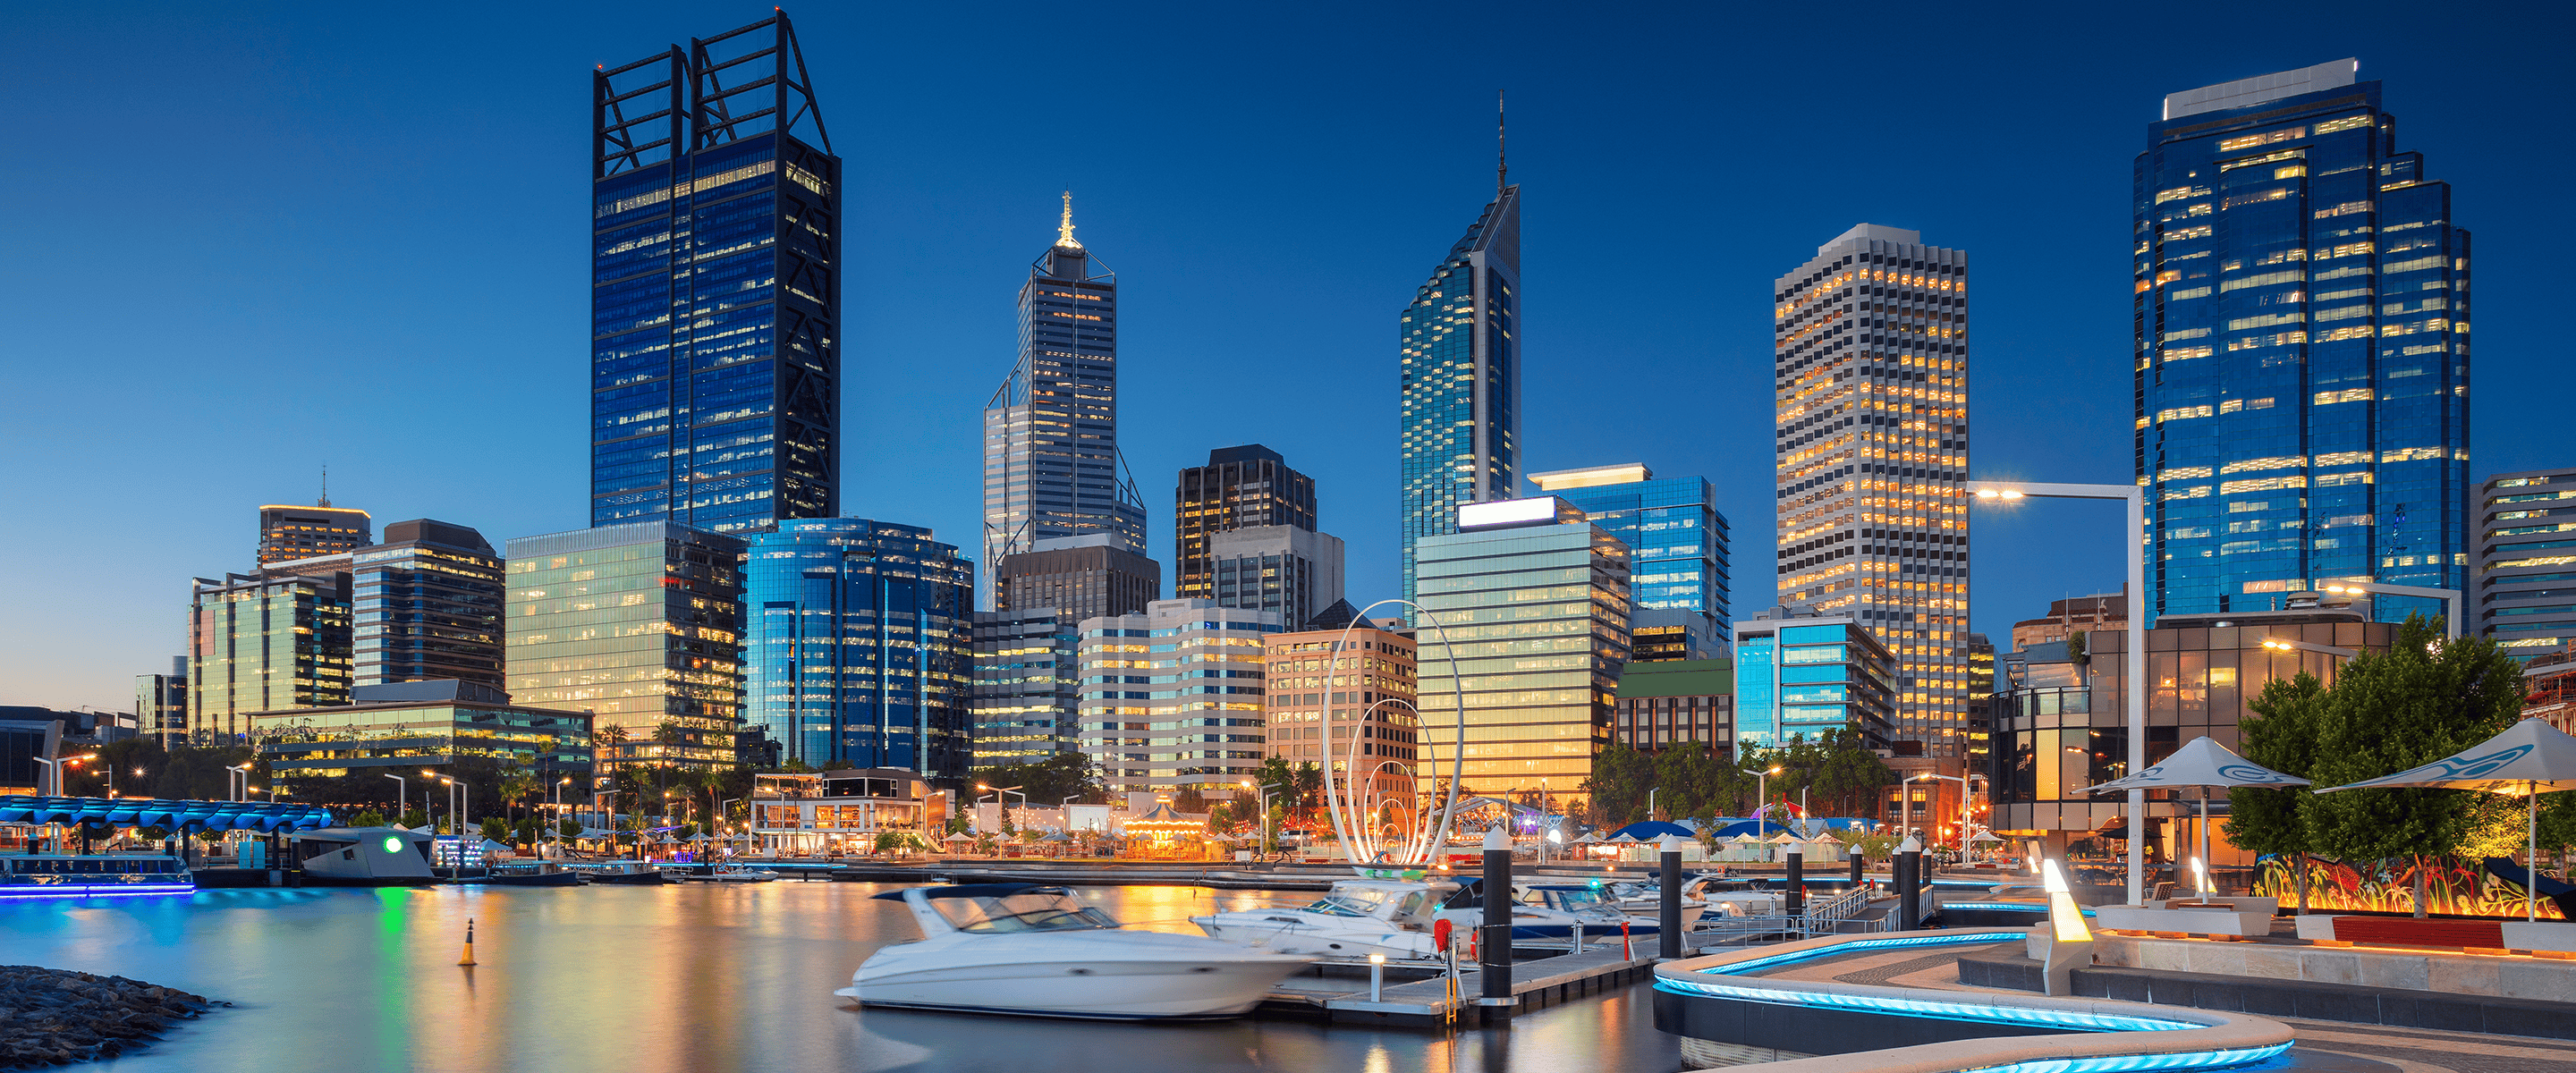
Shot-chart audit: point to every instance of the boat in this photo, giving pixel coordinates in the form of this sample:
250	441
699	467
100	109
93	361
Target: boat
1034	950
364	857
728	873
1354	919
642	873
526	874
1701	896
106	875
1551	911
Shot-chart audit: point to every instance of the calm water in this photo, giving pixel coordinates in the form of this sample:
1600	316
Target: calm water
702	978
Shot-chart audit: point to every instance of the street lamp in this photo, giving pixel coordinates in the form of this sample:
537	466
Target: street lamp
2135	495
2284	644
2450	598
1964	822
243	772
402	798
1264	805
1761	793
56	766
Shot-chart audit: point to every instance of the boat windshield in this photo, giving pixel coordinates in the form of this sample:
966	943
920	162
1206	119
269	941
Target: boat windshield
1352	902
1021	913
1576	898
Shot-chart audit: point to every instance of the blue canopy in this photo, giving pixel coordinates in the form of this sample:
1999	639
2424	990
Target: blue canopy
263	817
1651	830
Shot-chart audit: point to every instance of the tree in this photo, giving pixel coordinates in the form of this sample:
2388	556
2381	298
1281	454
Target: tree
369	818
495	828
569	828
1617	787
1220	818
2422	700
1051	780
1309	783
2283	737
1189	799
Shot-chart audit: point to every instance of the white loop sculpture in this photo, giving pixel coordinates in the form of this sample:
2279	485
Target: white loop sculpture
1430	829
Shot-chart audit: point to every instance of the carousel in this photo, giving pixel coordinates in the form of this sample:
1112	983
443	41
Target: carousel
1163	835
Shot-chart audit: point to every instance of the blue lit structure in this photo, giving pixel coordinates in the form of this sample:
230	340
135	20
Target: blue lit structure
1459	376
1806	675
1677	541
715	288
2301	349
860	644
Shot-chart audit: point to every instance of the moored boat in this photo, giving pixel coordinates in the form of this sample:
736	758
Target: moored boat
107	875
640	873
365	857
1356	918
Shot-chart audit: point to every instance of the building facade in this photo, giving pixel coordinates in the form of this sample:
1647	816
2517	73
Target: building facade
1173	697
2525	582
2302	349
427	604
1799	674
715	288
1296	572
1678	542
640	624
1459	374
2073	615
1025	698
1239	488
844	812
1077	577
391	729
287	533
1871	343
1359	698
261	642
161	705
1525	616
1669	703
1051	461
860	646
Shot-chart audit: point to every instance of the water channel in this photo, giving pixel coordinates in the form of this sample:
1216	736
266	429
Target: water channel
702	978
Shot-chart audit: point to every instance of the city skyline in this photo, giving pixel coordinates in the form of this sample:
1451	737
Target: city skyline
130	629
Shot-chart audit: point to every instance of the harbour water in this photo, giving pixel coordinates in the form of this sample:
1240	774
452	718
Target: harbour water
701	978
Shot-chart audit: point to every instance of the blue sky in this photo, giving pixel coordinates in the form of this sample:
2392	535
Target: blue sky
246	241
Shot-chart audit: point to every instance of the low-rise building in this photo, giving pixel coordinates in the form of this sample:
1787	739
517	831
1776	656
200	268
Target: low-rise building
1172	698
843	812
2075	614
1667	703
1798	673
2523	588
1367	692
395	727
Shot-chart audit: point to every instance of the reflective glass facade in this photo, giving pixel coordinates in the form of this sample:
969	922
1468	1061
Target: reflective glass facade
1675	536
1174	697
640	624
427	604
1459	378
715	289
1240	487
860	645
1051	462
1802	677
325	743
1536	618
261	642
1024	701
2525	595
1872	350
2301	350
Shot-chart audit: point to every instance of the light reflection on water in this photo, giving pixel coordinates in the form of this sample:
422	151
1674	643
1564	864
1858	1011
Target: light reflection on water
719	978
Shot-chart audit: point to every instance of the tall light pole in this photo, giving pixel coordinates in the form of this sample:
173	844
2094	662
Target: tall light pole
56	767
402	797
2450	598
2135	676
1962	780
1263	803
1761	792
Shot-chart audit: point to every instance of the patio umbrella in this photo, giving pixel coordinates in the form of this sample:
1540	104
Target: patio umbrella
2529	759
1984	836
2201	762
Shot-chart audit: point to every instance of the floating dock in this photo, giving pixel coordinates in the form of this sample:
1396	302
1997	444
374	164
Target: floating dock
1423	998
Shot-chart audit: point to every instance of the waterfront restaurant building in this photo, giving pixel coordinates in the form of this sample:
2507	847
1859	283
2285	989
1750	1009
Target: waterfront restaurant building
842	812
394	728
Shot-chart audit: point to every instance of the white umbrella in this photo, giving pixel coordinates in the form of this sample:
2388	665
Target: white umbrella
2204	763
2529	759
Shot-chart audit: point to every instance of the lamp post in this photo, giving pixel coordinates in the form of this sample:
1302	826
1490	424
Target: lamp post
1962	780
1761	793
56	767
2450	598
242	772
1263	803
2008	493
402	797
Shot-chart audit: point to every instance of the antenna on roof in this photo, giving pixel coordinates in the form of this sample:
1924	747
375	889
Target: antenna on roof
326	486
1501	159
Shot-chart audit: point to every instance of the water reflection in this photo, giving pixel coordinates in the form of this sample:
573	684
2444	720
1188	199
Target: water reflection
725	978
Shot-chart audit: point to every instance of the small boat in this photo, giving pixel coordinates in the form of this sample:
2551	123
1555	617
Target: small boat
1551	910
364	857
106	875
643	873
526	874
1038	951
729	873
1356	918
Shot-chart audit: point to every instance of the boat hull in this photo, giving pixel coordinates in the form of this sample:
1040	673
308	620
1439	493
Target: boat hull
1271	933
1196	989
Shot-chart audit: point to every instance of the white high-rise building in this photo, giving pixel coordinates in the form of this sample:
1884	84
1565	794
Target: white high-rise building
1174	697
1870	349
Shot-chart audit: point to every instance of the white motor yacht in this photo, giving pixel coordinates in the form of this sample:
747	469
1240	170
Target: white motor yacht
1551	910
1356	918
1037	951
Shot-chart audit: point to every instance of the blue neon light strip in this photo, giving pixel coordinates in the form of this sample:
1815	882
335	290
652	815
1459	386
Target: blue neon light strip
2007	907
2025	1016
122	890
1937	938
2121	1063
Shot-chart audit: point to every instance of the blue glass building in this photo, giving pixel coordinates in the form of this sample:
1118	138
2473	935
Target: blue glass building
2302	350
1460	378
1802	676
1676	538
860	645
715	288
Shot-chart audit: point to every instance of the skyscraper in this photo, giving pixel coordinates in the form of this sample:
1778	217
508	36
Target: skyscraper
860	641
1077	577
427	605
288	533
1870	340
2302	349
1240	487
2526	558
715	288
1027	664
1051	461
1460	378
161	705
1677	542
1296	572
641	624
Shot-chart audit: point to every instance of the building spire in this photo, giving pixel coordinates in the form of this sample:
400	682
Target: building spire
1064	231
326	486
1501	159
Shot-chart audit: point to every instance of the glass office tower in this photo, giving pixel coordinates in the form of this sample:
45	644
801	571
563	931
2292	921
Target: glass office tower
258	642
1024	698
1871	350
1173	697
2526	560
1240	487
1802	675
2302	349
1676	540
1051	461
428	605
640	624
715	288
1459	376
860	645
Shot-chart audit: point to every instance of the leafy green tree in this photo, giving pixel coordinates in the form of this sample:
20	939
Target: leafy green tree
2283	737
1189	800
495	828
1050	781
1617	787
569	828
2422	700
369	818
1310	785
414	819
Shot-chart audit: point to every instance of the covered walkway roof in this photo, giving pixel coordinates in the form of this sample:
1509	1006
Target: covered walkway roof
263	817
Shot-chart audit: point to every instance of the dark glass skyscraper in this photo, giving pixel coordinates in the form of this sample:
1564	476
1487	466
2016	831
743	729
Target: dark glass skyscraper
1240	487
715	288
1460	375
2302	350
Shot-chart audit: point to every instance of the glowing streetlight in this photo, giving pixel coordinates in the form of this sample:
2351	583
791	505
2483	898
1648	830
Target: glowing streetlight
2450	598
